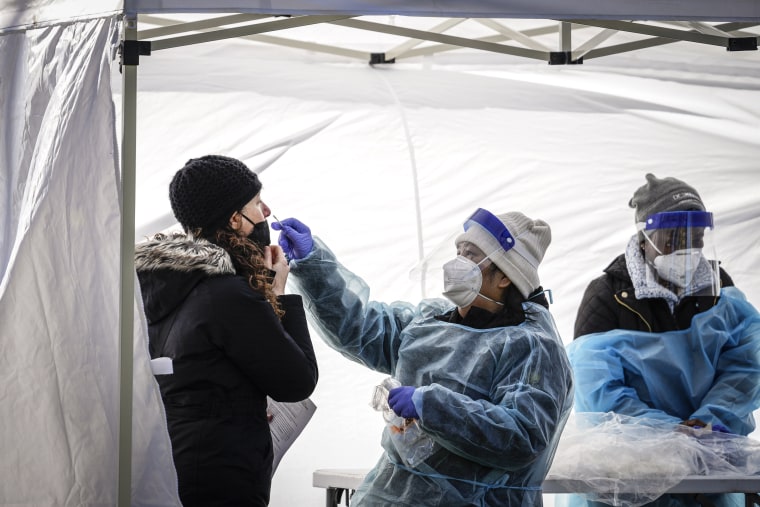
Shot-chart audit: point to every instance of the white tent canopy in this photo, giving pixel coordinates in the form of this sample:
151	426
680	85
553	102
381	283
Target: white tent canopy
383	162
41	11
540	9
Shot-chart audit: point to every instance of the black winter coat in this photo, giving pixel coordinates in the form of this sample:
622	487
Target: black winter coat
610	303
230	351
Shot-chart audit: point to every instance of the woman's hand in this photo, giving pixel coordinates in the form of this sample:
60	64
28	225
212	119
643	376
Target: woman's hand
274	259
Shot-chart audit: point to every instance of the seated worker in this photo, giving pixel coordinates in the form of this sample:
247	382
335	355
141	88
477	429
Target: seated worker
664	334
485	375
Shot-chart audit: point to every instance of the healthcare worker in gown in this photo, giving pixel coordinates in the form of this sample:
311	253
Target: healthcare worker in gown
663	334
483	374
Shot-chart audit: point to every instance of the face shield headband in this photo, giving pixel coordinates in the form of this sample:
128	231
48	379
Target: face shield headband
677	220
500	233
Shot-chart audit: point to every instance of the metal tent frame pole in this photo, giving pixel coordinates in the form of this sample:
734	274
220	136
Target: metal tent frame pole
127	275
172	34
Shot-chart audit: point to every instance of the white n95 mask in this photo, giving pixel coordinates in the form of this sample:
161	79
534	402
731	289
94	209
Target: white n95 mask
462	280
678	267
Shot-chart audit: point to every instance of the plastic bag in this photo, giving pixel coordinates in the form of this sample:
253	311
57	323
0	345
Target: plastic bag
631	461
412	444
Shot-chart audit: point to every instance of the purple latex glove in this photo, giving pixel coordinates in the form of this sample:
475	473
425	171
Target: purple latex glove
295	238
400	400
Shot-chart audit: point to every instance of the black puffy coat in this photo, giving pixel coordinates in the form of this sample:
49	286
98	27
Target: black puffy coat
230	351
610	303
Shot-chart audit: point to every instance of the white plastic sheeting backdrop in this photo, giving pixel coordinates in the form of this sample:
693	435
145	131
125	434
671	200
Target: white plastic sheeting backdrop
385	163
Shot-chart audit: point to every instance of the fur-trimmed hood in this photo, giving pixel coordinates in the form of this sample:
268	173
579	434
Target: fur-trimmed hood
170	266
180	252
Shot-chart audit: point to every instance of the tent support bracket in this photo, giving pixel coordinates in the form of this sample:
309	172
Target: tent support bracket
131	50
380	58
741	44
563	58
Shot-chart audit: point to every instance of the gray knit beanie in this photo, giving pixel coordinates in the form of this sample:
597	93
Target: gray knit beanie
667	194
519	263
208	190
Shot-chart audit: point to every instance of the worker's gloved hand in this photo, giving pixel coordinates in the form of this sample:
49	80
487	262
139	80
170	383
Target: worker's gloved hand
400	400
720	428
697	424
295	238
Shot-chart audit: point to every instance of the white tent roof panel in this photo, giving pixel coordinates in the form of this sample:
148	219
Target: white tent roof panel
14	13
706	10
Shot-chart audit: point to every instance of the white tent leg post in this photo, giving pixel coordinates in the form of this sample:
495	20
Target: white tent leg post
126	299
565	36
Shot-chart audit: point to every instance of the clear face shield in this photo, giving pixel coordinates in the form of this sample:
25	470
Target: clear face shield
679	249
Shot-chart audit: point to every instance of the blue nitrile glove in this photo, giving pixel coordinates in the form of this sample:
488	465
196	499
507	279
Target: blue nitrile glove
295	238
400	400
720	428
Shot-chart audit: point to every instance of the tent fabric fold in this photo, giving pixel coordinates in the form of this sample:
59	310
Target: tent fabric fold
59	280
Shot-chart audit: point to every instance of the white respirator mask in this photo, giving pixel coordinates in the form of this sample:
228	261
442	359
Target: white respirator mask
678	267
462	280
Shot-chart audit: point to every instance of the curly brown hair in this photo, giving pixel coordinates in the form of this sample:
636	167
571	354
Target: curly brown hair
248	259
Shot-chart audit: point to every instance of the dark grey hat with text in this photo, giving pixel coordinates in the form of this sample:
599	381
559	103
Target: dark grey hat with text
666	194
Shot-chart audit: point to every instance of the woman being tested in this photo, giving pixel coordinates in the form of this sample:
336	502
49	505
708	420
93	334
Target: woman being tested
215	304
483	377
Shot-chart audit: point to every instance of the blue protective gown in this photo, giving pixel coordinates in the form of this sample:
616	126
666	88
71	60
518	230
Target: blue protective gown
710	371
494	401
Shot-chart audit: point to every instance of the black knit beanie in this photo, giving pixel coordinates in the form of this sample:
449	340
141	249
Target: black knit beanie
667	194
208	190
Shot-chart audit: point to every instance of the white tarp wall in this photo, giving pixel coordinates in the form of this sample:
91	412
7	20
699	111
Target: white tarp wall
59	279
385	163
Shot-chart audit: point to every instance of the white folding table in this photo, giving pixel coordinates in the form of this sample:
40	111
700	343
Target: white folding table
340	483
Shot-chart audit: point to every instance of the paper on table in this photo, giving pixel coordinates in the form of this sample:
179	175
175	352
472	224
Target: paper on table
288	421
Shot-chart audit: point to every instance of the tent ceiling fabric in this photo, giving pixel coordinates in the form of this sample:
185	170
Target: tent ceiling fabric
14	13
705	10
